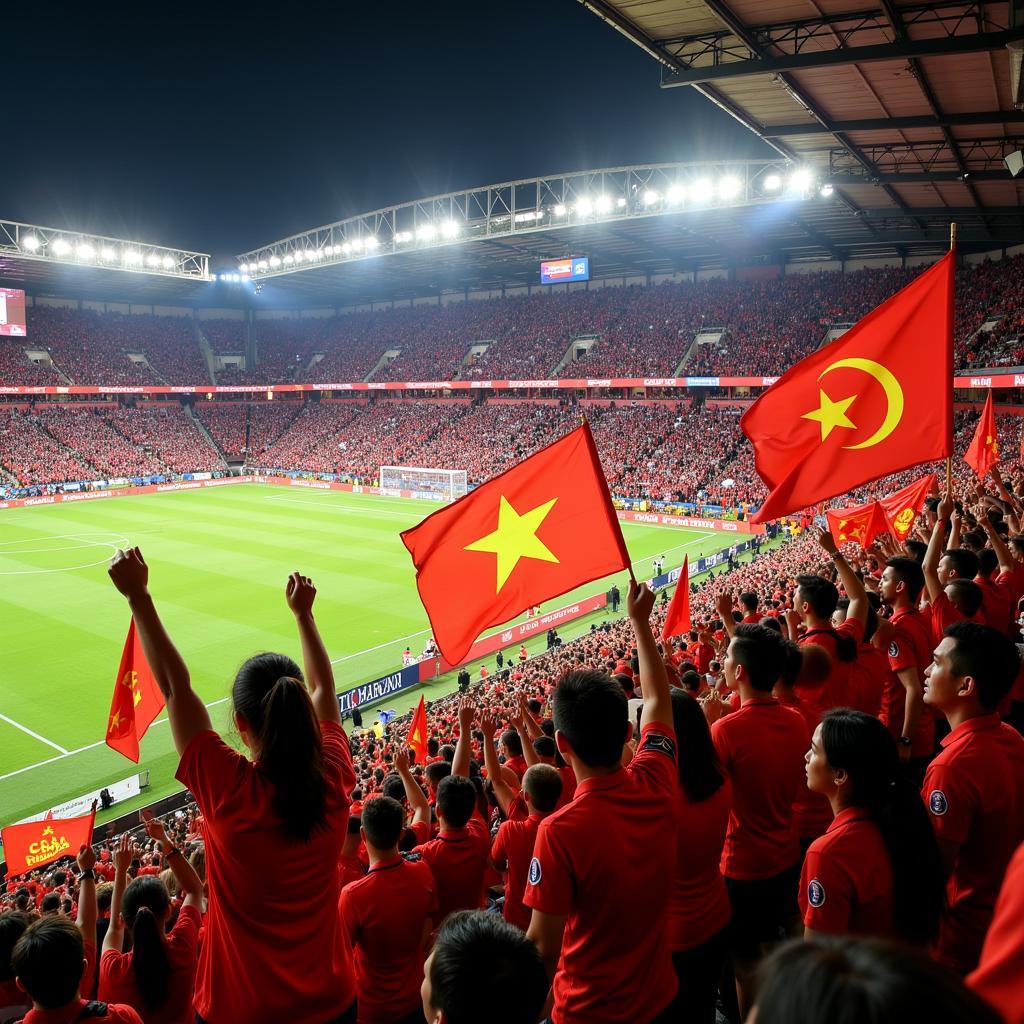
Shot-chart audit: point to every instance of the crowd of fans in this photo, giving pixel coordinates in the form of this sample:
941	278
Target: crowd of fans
233	424
639	331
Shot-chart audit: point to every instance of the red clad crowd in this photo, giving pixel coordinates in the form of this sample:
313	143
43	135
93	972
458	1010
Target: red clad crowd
754	327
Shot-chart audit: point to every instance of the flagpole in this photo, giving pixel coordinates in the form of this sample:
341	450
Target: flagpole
949	458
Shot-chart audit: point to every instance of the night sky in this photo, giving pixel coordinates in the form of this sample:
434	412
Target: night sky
219	128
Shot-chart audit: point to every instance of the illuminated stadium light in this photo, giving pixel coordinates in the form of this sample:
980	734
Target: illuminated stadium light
450	229
357	245
702	190
426	232
107	254
620	202
312	254
275	261
729	188
245	277
152	260
213	277
650	197
772	183
676	193
559	209
371	242
243	266
403	236
826	191
346	247
800	180
585	207
167	262
131	257
289	259
85	251
30	242
604	204
61	248
262	264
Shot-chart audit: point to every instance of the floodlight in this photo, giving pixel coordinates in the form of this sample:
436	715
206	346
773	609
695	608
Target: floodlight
30	242
425	232
450	229
371	242
357	244
243	266
132	257
604	204
800	180
61	248
312	254
584	207
346	247
152	260
262	264
559	209
1014	162
702	190
620	202
85	251
826	191
167	262
245	277
729	188
213	277
676	193
289	259
772	183
108	254
650	197
275	261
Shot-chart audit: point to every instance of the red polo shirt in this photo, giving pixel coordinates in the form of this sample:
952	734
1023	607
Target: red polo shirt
996	601
699	905
910	647
458	861
116	1014
836	691
512	851
846	883
762	747
383	914
605	862
1001	969
518	765
974	794
273	947
868	678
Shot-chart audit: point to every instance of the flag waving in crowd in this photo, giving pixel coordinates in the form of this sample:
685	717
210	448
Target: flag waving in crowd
417	739
137	699
531	533
902	506
35	843
860	523
983	452
677	620
875	401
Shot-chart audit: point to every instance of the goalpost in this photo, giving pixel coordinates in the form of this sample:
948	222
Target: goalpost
443	484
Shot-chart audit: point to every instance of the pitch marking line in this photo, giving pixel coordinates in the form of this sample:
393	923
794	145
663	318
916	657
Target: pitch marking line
34	735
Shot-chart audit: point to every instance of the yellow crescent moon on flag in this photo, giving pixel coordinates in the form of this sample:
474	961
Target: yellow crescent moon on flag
893	395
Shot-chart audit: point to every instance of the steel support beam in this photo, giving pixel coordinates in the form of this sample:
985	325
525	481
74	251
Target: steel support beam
881	124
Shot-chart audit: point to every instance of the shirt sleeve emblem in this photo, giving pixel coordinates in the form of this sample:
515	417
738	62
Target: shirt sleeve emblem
660	742
937	802
815	893
535	872
894	649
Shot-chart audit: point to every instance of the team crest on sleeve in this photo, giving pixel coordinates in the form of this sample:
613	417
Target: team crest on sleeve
815	893
534	875
661	742
937	802
894	649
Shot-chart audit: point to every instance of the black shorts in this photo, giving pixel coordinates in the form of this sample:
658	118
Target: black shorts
761	910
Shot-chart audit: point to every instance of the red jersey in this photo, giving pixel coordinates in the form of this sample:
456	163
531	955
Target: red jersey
116	1014
974	795
762	747
512	851
117	974
518	765
998	977
868	678
996	601
752	617
383	914
605	864
13	1002
846	884
699	905
458	861
352	869
910	647
837	690
273	947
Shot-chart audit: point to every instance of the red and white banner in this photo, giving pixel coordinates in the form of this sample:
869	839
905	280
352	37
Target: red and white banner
689	522
121	492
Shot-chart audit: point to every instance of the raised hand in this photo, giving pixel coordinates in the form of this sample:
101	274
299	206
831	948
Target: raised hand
156	831
124	853
300	593
639	601
724	604
825	539
401	761
129	573
488	726
86	858
467	712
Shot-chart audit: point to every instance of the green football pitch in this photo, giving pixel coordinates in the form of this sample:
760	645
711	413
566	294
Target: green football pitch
218	562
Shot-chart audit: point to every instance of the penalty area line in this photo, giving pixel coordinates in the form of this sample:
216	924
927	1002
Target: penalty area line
34	735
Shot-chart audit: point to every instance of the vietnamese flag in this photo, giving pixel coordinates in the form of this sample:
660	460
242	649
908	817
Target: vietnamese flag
136	702
876	400
983	452
417	738
902	506
35	843
860	523
677	619
532	533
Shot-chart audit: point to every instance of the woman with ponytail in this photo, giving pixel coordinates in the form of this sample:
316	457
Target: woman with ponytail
876	871
274	821
157	975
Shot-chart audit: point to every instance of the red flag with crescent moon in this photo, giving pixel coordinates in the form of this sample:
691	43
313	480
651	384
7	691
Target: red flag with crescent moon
877	400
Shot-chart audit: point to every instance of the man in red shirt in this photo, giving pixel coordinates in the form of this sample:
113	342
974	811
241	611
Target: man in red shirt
599	882
748	605
762	747
49	963
974	789
512	750
387	916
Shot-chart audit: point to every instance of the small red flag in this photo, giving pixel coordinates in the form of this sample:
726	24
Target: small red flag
876	400
136	702
418	732
529	534
902	506
983	452
35	843
860	523
677	619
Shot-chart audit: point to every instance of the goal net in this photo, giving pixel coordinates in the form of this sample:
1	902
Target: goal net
443	484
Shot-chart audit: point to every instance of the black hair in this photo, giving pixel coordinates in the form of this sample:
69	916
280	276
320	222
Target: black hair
456	800
144	908
432	746
50	903
690	682
917	549
862	981
909	572
512	741
591	711
436	771
544	785
383	820
988	561
545	746
700	771
988	656
966	595
792	662
862	746
749	600
447	752
963	561
821	594
393	786
269	694
534	705
12	927
760	652
477	954
48	960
